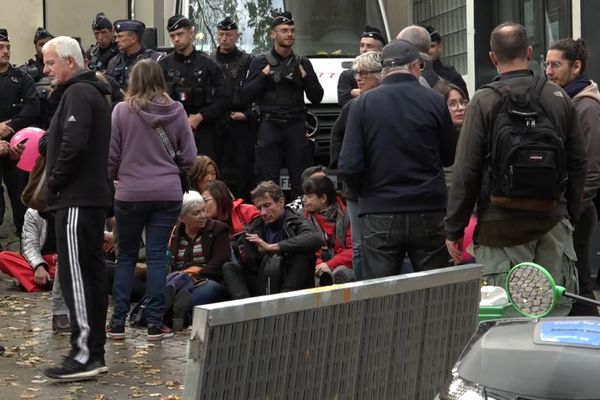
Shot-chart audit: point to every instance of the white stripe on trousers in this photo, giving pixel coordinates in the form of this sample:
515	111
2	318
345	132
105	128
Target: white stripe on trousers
81	316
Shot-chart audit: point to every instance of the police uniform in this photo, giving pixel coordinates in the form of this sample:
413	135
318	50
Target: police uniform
280	100
99	57
35	66
346	81
197	82
120	65
18	103
237	164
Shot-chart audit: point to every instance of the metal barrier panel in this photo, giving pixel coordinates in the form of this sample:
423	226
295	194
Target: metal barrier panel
390	338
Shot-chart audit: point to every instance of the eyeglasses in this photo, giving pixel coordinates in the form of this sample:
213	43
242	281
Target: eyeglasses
553	65
363	74
454	104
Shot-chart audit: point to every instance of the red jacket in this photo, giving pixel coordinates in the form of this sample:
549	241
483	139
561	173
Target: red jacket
339	234
241	215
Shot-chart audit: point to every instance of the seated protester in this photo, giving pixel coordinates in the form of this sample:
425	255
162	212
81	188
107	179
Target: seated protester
221	206
36	268
327	212
277	251
315	170
203	172
199	247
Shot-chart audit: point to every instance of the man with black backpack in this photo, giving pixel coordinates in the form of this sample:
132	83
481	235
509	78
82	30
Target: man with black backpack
521	158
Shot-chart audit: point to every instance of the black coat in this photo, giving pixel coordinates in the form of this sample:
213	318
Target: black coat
19	100
77	151
214	238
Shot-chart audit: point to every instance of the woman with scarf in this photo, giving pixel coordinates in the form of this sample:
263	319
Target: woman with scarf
327	212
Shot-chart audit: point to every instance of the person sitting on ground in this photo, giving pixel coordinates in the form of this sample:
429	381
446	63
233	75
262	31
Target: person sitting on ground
278	250
326	210
315	170
35	269
198	248
203	172
221	206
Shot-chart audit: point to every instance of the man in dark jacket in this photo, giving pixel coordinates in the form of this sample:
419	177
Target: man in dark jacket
565	65
508	236
419	37
129	41
277	252
19	108
105	48
197	82
238	126
371	40
446	72
79	195
277	82
398	137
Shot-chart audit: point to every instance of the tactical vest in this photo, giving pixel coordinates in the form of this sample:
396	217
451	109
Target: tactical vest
99	60
188	81
234	73
124	64
34	69
11	100
284	84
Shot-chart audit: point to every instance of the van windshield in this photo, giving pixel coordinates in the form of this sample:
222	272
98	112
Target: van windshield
324	28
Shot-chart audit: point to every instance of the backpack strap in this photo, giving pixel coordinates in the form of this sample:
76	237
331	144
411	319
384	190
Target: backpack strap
538	85
273	62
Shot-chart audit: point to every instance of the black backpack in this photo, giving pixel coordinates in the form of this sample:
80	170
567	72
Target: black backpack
526	160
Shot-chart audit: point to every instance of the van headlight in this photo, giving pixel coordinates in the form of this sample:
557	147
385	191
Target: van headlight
459	389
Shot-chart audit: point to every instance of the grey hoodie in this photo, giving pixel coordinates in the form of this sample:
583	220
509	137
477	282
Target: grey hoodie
138	158
587	105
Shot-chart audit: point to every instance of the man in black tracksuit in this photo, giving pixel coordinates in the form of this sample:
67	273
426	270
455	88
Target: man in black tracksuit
277	82
79	195
197	82
394	160
19	108
238	126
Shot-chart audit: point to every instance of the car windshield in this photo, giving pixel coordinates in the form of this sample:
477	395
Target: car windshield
324	28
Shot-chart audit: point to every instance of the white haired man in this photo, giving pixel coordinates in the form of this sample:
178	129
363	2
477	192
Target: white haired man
78	194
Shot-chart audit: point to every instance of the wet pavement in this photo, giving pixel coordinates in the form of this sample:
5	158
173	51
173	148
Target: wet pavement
138	369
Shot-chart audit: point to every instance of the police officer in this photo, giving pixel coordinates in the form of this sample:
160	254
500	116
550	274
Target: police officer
277	82
239	125
19	108
35	66
370	40
197	82
105	48
129	41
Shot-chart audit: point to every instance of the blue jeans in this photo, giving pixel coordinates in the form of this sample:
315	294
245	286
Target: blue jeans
356	225
158	218
210	292
387	238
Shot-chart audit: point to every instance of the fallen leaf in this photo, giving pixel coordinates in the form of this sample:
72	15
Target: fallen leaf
28	396
38	381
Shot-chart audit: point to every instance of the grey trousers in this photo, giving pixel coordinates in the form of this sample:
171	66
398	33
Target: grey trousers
59	307
553	251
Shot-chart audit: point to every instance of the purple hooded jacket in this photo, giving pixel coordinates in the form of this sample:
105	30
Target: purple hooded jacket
138	158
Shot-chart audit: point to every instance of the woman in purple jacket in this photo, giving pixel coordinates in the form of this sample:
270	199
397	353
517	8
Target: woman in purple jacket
148	189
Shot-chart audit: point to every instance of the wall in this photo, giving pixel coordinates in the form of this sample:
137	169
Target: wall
21	18
400	14
74	18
